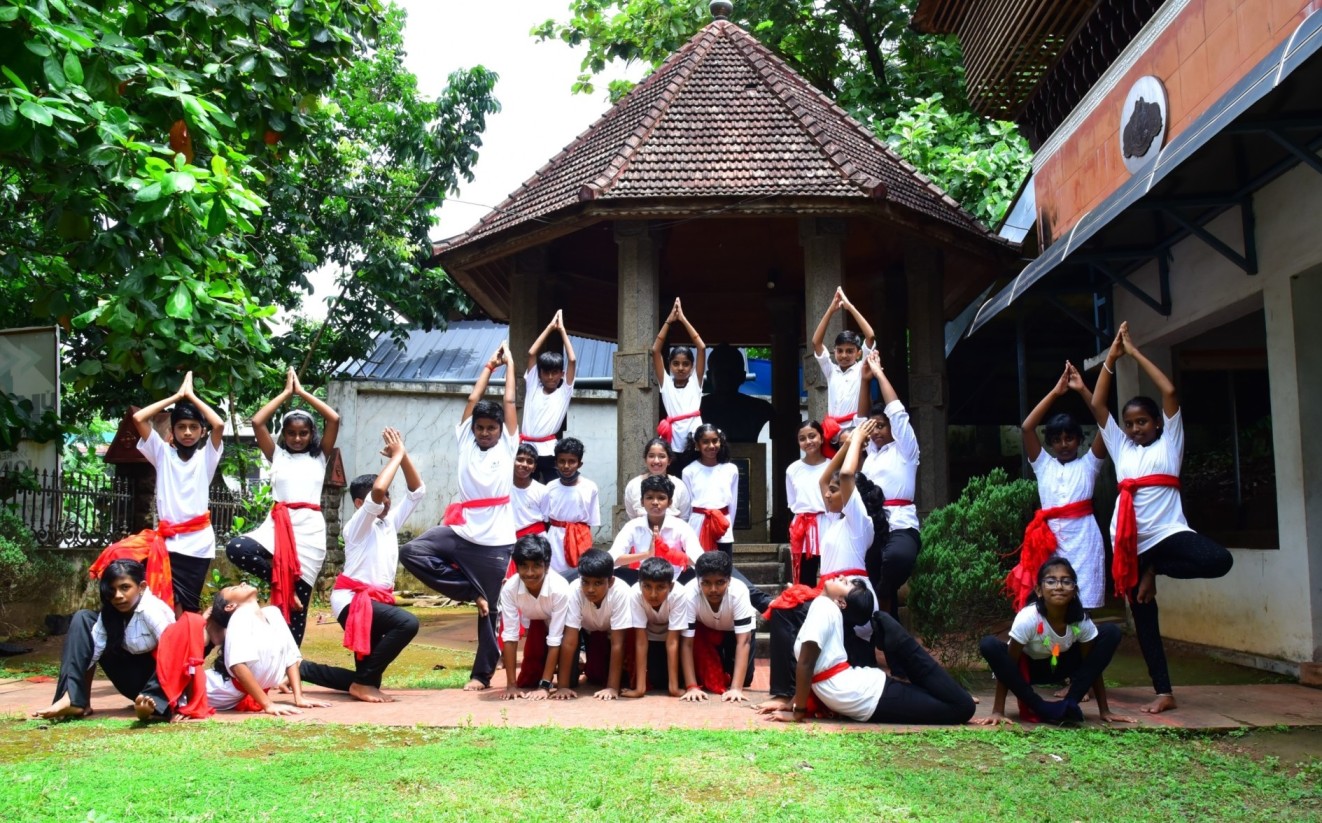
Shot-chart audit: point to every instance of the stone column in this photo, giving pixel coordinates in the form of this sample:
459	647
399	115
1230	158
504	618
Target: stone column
785	344
924	268
637	317
529	314
823	271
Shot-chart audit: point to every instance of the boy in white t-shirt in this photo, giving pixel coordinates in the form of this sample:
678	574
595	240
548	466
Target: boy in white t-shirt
657	617
536	598
844	375
572	507
548	388
656	534
716	647
599	614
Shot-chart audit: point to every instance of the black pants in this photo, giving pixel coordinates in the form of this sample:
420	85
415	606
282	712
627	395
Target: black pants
1081	671
809	567
1184	556
250	556
932	696
658	665
187	575
131	674
890	562
545	471
392	630
463	571
729	648
784	628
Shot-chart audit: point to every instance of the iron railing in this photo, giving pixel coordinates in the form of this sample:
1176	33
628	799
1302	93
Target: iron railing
70	512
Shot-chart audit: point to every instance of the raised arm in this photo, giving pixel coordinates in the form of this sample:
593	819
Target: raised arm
1102	390
395	451
483	378
700	365
331	428
1098	447
1032	445
536	347
142	417
571	362
869	339
1170	402
865	390
659	344
819	336
260	432
511	393
888	394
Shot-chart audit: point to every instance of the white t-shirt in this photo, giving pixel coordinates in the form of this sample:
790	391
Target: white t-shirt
529	504
183	490
298	478
712	487
260	639
680	505
841	385
681	401
846	537
852	693
143	630
578	503
371	545
1079	539
1158	512
802	486
735	613
894	467
1037	645
485	474
635	537
658	622
544	414
518	607
613	613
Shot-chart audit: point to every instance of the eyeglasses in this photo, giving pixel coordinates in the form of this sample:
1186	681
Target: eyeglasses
1059	582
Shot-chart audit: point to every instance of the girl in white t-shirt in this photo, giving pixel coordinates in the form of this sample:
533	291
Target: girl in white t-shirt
713	484
657	458
1149	534
289	547
805	501
681	386
1052	640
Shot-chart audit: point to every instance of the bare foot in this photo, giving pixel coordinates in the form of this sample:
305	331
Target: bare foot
774	704
145	708
62	708
369	694
475	686
1163	703
483	607
1064	692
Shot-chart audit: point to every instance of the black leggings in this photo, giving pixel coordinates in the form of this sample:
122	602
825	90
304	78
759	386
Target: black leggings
784	629
890	562
1184	556
392	629
131	674
932	697
187	576
250	556
1081	671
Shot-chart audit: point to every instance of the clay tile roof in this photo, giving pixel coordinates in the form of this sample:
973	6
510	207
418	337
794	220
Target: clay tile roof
722	118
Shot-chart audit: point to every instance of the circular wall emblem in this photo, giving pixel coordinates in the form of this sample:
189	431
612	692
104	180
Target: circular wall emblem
1143	123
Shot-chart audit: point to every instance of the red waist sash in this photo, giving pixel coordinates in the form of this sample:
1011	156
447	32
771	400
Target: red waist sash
815	707
1124	565
578	539
358	624
149	548
285	566
454	513
843	573
534	528
898	501
666	427
715	523
827	674
1039	544
668	553
181	665
804	534
528	438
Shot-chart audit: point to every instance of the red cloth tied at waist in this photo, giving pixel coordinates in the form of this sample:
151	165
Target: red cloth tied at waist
896	502
1124	565
667	426
792	597
454	513
715	523
149	548
536	528
358	623
832	426
285	566
578	539
843	573
665	551
181	666
804	536
535	651
528	438
815	707
1039	544
707	668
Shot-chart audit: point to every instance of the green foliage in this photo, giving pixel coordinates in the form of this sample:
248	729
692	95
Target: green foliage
21	562
19	422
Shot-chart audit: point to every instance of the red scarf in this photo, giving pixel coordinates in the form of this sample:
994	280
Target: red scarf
149	548
358	624
285	568
454	513
804	540
830	428
578	539
668	553
534	654
1124	565
181	665
792	597
710	674
1039	544
715	523
527	438
666	427
815	707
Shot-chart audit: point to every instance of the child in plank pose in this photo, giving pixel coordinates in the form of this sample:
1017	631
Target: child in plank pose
1149	534
1065	524
122	637
289	547
599	609
1051	640
713	483
538	597
805	502
844	375
572	507
465	558
363	600
658	533
657	616
716	647
681	387
548	388
657	458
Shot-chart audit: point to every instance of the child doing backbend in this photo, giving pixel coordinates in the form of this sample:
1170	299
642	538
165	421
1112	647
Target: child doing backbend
1149	534
538	598
572	507
548	388
1052	640
681	386
657	618
805	501
844	375
289	547
599	615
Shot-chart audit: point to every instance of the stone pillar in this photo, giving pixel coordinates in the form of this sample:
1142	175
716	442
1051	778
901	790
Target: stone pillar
1300	510
924	268
529	312
823	271
638	319
785	344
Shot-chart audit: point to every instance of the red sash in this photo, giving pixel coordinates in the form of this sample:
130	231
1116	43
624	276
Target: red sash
827	674
358	624
149	548
578	539
1124	565
792	597
804	540
899	501
843	573
715	523
454	513
666	426
1039	544
527	438
830	428
181	665
815	707
536	528
668	553
534	654
285	568
710	674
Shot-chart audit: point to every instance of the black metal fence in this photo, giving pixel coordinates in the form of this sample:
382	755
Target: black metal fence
70	512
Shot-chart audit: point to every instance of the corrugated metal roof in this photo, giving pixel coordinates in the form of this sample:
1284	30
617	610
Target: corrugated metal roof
458	353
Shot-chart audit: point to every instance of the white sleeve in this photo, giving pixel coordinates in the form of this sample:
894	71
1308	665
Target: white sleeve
790	488
1040	462
158	617
359	527
594	507
682	500
816	625
1024	628
555	625
1112	436
509	611
902	430
637	613
688	538
734	495
687	618
153	447
824	362
212	454
1087	631
574	613
1173	432
621	611
289	651
399	514
98	641
633	504
745	616
240	646
623	543
530	384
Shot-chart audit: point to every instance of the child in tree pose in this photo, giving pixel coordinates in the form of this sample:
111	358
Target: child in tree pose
657	617
844	375
289	547
539	597
572	507
548	388
657	458
805	502
599	614
681	387
1051	640
1149	534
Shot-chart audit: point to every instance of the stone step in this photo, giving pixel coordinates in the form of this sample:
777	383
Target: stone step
768	573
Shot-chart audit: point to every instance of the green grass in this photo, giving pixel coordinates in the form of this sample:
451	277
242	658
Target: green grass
269	770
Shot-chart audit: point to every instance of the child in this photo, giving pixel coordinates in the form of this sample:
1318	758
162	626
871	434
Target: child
713	483
259	654
805	502
1065	479
527	496
363	600
539	597
465	557
289	547
1148	531
681	387
657	458
658	533
825	675
842	377
1052	639
571	506
599	609
549	385
183	491
892	464
657	615
716	649
122	638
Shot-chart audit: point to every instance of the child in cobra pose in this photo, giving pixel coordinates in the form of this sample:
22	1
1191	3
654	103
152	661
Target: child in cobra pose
844	375
289	547
681	387
548	388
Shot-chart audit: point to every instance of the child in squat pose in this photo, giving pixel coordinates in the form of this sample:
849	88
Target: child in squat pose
657	619
1149	534
548	388
289	547
599	614
805	502
681	387
1051	640
844	375
539	597
572	507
